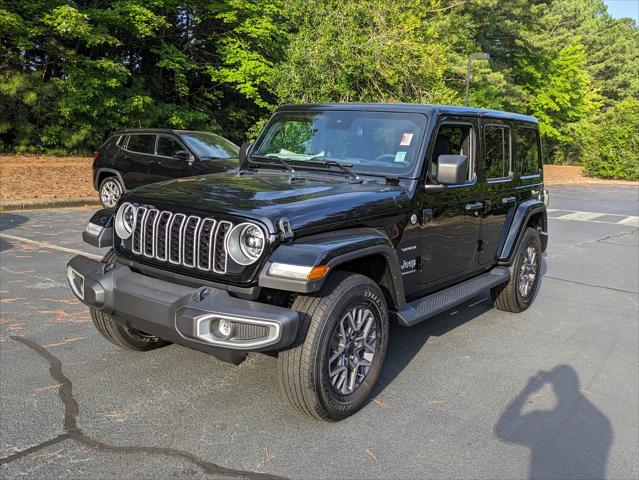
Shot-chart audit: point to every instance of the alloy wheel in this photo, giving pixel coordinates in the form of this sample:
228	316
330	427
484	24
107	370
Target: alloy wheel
352	350
110	193
528	271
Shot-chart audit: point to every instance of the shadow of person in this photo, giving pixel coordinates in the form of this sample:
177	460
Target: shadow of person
571	441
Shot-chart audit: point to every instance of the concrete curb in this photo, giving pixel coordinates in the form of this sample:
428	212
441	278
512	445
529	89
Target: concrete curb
34	204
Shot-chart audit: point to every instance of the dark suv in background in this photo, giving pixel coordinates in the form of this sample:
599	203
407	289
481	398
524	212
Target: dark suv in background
134	157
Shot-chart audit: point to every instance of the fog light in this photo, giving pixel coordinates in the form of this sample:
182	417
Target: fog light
76	281
222	328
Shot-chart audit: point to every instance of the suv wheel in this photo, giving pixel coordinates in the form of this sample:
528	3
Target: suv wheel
342	339
518	293
119	335
110	192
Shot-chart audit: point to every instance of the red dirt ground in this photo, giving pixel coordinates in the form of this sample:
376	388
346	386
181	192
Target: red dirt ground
54	178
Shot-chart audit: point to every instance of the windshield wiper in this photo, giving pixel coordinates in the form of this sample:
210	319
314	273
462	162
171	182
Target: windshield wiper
274	157
328	162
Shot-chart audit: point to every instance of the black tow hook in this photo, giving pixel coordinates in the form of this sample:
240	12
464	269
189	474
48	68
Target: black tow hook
201	293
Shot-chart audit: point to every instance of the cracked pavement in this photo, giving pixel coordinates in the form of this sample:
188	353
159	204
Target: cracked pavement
73	405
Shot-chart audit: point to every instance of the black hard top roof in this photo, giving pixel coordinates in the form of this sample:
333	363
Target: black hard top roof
412	108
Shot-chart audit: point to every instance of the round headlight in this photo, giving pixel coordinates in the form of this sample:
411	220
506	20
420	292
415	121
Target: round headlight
125	220
245	243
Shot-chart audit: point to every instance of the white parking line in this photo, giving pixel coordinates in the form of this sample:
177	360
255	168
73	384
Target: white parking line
49	246
584	216
630	220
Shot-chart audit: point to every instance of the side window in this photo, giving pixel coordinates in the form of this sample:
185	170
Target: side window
497	152
167	146
141	143
122	141
527	151
453	140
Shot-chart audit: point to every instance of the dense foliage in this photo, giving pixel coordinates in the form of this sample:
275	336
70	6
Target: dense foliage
70	72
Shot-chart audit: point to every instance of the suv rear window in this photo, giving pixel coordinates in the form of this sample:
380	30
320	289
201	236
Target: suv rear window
141	143
497	148
527	151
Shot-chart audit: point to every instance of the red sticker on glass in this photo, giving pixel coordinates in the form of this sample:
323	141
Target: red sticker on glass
406	139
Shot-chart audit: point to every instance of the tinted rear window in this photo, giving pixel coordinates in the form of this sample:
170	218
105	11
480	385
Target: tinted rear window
527	151
142	143
497	147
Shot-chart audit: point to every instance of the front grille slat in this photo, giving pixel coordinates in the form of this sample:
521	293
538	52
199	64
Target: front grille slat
219	247
150	232
188	241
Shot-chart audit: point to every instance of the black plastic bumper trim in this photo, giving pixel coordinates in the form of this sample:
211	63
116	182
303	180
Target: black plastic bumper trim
153	306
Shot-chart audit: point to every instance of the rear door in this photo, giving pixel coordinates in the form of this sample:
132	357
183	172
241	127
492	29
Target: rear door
164	165
451	217
496	177
133	160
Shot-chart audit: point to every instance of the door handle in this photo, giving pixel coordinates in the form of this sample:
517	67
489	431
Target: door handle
474	206
508	200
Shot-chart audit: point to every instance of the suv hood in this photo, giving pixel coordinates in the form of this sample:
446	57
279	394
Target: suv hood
305	202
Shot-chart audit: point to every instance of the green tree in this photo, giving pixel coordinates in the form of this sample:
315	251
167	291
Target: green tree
370	50
72	72
611	142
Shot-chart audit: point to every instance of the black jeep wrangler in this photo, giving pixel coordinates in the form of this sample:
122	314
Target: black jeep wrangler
342	218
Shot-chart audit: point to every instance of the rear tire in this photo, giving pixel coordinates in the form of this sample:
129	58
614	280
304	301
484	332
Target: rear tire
110	191
115	333
334	364
518	293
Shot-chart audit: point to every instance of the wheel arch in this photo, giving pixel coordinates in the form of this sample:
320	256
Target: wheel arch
359	250
102	173
529	213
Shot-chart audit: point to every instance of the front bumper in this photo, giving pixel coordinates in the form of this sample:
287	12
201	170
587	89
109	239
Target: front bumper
181	314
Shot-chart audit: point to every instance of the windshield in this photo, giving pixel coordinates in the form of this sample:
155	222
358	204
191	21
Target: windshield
206	144
370	142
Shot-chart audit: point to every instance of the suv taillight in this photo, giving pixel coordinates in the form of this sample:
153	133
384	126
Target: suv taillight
96	155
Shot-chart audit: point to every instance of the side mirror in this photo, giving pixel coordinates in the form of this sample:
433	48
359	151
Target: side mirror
184	155
452	169
244	151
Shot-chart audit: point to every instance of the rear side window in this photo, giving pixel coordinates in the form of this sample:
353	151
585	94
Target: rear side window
167	146
497	152
527	151
141	143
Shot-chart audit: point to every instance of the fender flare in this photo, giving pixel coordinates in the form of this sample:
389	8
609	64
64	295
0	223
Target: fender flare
518	221
333	249
100	171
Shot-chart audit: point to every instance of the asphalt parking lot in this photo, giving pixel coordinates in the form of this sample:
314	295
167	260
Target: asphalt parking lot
473	393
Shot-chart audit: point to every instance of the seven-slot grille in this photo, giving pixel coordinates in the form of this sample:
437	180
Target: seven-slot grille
189	241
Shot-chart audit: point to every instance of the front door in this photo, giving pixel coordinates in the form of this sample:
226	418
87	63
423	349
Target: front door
450	217
164	165
500	196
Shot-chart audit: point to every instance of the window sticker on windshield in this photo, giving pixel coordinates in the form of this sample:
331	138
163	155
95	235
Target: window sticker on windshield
399	157
407	138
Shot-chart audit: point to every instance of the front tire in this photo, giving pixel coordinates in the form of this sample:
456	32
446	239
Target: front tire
518	293
332	368
110	192
127	338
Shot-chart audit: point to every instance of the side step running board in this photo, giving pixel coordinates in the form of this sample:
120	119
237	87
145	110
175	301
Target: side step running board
429	306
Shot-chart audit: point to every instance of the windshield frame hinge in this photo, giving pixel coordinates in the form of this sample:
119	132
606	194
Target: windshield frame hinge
285	229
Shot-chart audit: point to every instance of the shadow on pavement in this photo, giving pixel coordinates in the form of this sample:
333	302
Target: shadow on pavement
405	342
7	222
571	441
